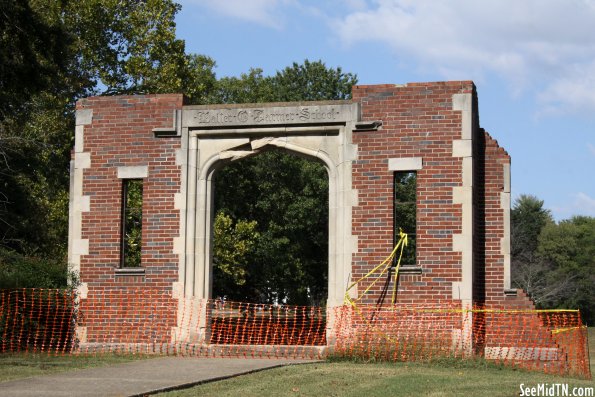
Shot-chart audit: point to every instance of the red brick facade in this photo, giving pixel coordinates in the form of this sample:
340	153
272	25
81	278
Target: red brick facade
121	136
418	120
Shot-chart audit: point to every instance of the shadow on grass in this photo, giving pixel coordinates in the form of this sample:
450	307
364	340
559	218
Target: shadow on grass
25	365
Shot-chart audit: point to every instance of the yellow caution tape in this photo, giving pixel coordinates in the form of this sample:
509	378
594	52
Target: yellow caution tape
559	331
387	263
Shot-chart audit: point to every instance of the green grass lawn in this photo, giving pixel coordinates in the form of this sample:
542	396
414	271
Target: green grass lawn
385	379
16	366
398	379
342	378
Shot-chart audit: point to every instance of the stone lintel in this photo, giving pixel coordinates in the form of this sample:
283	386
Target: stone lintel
405	164
133	172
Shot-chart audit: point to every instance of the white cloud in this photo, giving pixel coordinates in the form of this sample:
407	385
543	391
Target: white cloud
580	204
572	92
547	46
584	205
591	148
262	12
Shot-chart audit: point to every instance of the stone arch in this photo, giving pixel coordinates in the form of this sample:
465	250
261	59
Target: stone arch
210	149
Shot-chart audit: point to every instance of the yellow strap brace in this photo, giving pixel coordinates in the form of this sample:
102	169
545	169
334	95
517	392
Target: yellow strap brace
387	263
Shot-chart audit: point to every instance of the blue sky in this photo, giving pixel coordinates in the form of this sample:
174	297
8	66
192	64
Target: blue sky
533	62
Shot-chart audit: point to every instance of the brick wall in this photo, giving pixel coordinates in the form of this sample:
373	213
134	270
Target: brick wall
418	121
493	185
120	135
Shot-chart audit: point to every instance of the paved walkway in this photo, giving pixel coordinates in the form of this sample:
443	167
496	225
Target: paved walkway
138	378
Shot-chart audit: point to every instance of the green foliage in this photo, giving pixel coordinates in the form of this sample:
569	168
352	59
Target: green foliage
133	217
312	81
569	247
34	144
233	242
529	272
249	87
34	181
18	271
131	47
553	262
287	198
405	189
53	53
528	218
32	56
309	81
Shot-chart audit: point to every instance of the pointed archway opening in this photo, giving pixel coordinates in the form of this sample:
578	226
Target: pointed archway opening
218	137
270	230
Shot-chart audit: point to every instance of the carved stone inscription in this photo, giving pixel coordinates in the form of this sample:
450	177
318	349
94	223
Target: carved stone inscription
232	117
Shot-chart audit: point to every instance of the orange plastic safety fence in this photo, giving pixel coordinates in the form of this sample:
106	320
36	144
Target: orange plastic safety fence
259	324
36	320
550	341
139	321
153	322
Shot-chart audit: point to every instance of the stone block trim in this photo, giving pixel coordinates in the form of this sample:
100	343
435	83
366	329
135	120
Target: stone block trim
463	242
78	202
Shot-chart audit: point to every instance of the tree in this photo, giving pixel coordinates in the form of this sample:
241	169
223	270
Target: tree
553	262
53	53
251	87
569	248
34	74
309	81
131	47
32	56
529	271
528	218
232	244
287	197
312	81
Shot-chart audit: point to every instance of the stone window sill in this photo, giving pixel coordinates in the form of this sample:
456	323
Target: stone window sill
130	271
410	270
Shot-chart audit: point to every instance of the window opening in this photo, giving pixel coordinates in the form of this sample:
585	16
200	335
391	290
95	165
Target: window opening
405	214
132	220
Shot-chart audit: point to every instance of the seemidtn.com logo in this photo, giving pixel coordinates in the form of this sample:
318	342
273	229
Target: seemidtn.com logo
555	390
